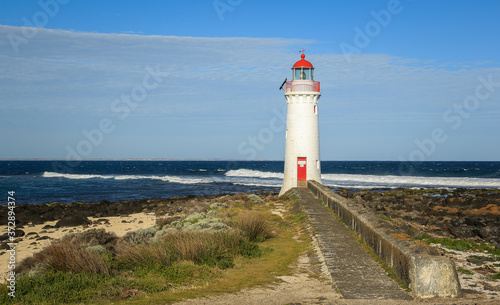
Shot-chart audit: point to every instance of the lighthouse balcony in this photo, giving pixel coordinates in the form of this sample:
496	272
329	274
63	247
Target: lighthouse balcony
302	86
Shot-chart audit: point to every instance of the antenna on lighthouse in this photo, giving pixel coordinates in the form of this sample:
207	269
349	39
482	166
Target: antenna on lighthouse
284	82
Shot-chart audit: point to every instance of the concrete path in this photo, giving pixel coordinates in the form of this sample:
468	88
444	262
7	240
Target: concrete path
354	272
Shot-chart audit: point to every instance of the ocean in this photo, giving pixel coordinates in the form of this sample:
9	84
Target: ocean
93	181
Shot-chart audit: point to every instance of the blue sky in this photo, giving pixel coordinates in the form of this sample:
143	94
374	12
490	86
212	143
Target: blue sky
400	80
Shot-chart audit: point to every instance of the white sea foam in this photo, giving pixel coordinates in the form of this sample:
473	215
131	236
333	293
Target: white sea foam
274	179
253	173
75	176
183	180
374	181
172	179
260	183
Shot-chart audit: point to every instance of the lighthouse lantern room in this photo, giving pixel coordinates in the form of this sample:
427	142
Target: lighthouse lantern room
302	94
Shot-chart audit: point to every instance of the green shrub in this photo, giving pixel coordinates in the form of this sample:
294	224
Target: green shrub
207	224
140	236
214	213
60	287
194	218
256	199
218	206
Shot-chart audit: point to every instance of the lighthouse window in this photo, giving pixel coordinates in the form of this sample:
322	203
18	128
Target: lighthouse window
297	74
307	73
315	109
302	74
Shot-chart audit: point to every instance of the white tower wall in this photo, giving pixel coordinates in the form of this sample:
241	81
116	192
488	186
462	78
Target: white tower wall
302	135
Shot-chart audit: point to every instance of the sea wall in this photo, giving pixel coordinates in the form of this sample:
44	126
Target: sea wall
426	273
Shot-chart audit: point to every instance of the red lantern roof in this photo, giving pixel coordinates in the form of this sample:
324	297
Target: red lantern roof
303	63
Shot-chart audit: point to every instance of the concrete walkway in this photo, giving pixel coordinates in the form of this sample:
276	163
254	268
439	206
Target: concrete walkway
354	272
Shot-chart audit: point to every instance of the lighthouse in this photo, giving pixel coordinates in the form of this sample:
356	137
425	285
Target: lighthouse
302	94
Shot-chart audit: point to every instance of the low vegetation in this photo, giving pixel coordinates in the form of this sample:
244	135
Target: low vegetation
462	245
235	243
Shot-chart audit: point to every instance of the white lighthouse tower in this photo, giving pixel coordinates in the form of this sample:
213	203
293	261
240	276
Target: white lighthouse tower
302	94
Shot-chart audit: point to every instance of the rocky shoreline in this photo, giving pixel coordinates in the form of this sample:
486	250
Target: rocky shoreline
74	214
460	214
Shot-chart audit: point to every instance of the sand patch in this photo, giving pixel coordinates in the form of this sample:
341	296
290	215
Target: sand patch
36	237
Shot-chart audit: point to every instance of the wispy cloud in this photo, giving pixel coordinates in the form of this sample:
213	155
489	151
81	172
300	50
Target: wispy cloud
219	82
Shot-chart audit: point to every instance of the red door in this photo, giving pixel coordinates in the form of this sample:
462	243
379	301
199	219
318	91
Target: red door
301	168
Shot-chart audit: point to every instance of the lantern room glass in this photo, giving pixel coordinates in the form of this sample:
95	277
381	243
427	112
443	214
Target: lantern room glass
303	74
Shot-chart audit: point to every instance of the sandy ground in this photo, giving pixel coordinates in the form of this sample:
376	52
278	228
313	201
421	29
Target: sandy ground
35	237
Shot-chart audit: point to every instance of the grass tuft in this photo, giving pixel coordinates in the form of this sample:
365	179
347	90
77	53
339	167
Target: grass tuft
464	271
69	255
253	225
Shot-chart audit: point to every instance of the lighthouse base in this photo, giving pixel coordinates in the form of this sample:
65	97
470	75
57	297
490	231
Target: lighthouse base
288	184
302	183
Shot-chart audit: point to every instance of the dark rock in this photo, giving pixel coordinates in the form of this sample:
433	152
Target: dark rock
46	227
475	261
44	237
464	232
72	221
101	220
489	233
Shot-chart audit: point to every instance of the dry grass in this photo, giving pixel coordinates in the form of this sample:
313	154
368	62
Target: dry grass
253	225
150	255
199	247
194	245
71	256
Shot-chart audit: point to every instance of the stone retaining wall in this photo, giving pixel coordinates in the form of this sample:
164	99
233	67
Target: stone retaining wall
426	273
